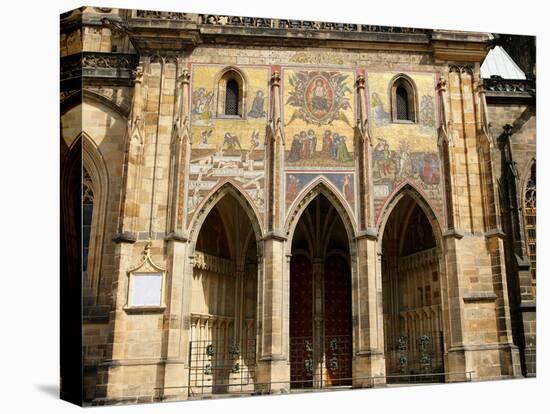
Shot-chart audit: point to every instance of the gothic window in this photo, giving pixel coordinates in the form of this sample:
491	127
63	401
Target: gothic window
230	94
232	98
530	215
87	213
403	100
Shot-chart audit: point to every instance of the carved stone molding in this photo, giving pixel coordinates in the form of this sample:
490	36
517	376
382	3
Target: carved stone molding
109	60
243	21
116	66
497	85
461	69
165	15
214	264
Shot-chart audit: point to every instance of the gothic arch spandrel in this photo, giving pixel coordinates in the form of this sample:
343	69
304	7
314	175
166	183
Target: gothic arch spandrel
320	186
230	188
410	190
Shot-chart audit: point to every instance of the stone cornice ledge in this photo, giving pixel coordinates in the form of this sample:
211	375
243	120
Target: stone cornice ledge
479	297
276	235
177	236
453	233
528	306
369	233
522	263
144	309
495	233
125	237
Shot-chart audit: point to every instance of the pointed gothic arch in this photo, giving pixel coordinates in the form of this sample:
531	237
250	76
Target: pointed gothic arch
94	164
529	204
413	281
84	159
403	99
231	81
225	251
321	186
410	189
223	188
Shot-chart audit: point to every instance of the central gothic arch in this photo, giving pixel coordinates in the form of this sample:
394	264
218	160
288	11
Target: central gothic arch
320	247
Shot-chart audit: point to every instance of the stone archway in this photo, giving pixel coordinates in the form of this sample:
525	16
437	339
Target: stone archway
411	290
224	299
320	298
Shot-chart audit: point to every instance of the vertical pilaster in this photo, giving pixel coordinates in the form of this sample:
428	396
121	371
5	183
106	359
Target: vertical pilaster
318	269
133	161
368	329
273	366
177	320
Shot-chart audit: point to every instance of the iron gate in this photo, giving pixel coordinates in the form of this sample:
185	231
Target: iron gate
320	365
416	359
219	367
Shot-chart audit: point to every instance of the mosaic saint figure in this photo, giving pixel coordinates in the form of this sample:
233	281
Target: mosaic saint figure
343	154
333	152
382	158
346	188
295	149
201	103
257	110
293	187
312	139
304	152
319	100
430	172
327	142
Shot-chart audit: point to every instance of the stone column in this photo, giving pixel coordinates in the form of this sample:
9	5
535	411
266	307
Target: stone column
368	319
369	367
474	314
273	369
109	381
176	324
133	161
318	321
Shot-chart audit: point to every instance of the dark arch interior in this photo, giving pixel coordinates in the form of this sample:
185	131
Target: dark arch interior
402	98
232	97
320	299
413	333
224	300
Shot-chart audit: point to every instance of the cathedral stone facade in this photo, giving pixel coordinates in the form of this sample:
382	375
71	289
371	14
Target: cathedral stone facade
276	205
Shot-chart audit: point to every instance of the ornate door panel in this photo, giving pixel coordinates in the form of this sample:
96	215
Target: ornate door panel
338	330
301	322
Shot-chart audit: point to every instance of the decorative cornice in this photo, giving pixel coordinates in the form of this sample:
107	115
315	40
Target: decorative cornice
98	65
163	15
109	60
243	21
496	87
